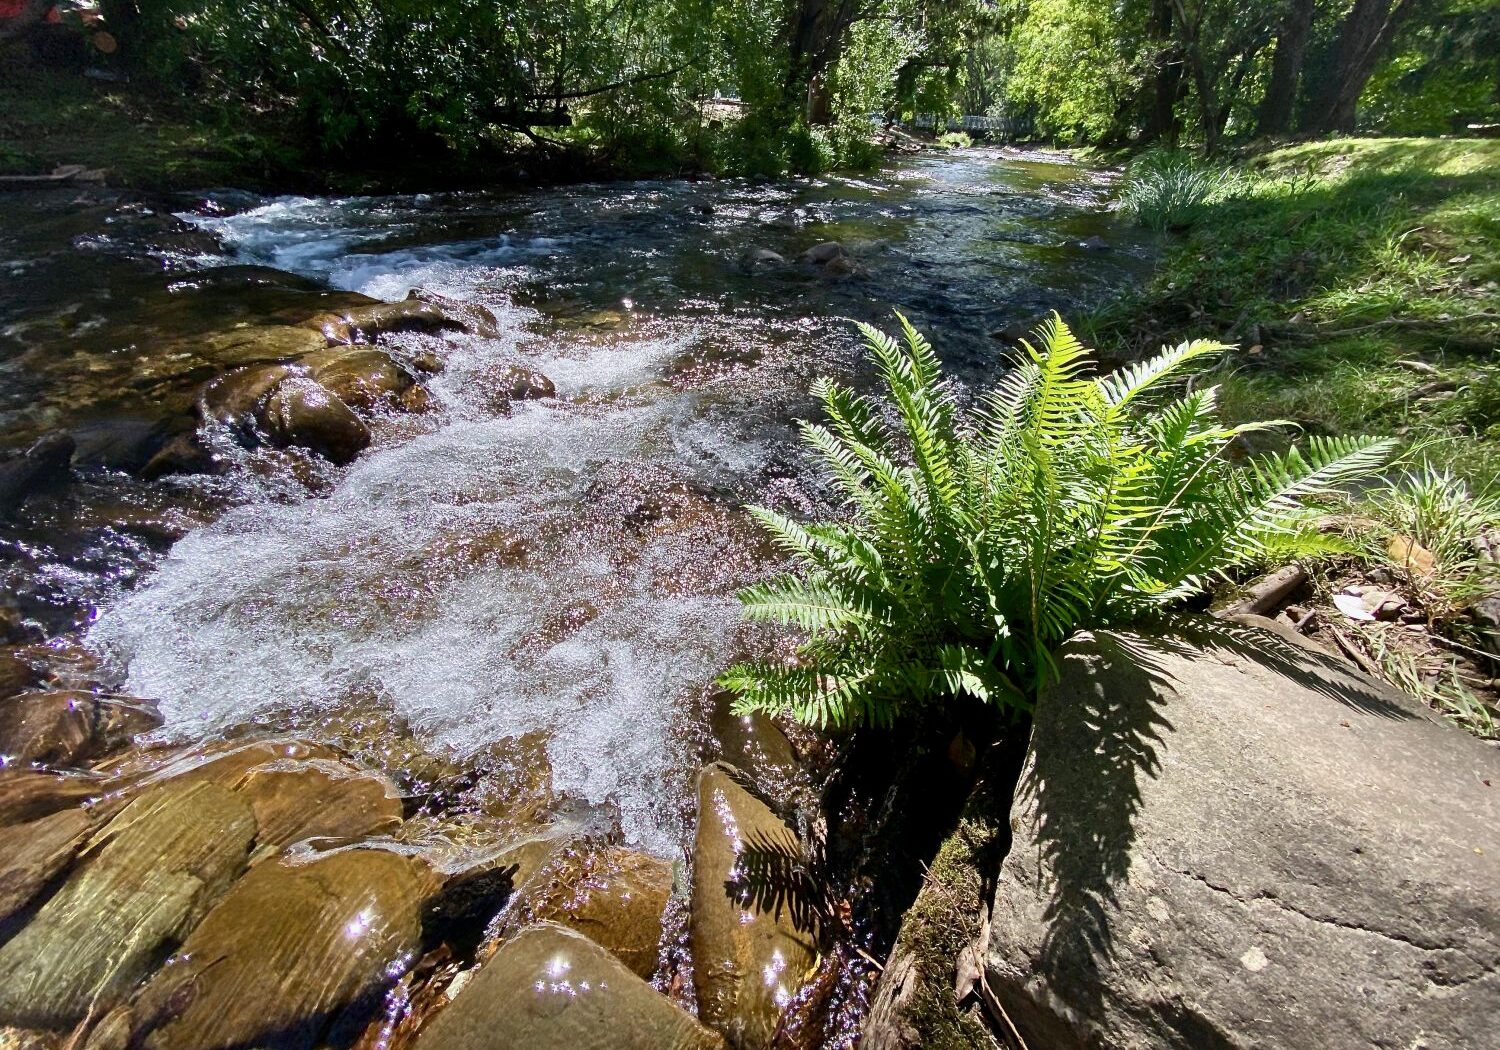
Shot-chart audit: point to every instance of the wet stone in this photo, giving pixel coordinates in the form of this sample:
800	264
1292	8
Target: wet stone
502	384
16	674
68	727
753	744
32	854
30	794
292	953
613	896
149	878
362	377
238	399
297	801
748	963
551	988
301	412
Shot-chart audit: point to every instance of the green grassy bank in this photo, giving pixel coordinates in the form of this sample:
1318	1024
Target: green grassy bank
1361	280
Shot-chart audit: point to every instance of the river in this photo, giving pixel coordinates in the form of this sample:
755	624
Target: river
559	572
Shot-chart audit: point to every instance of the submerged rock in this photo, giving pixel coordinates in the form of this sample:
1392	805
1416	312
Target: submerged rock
748	962
1248	845
613	896
550	988
303	413
33	854
823	254
502	384
30	794
41	466
68	727
150	876
124	444
320	799
16	674
286	952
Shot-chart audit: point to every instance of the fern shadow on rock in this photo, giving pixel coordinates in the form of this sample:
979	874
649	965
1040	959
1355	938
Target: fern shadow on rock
1087	798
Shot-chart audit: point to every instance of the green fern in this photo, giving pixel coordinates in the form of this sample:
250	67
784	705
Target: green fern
972	550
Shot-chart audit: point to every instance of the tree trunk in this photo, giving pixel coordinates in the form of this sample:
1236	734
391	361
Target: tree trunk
1166	83
1362	40
1208	107
1275	116
815	35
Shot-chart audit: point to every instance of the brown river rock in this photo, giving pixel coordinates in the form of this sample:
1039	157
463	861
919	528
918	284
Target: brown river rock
30	794
286	952
69	727
16	674
303	413
360	376
145	883
612	895
747	963
296	801
551	988
31	855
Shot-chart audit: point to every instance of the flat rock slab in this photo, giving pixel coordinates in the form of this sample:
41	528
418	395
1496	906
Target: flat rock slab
31	855
286	952
145	883
551	988
1246	846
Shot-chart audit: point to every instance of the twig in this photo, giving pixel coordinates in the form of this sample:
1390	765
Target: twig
1352	651
992	1002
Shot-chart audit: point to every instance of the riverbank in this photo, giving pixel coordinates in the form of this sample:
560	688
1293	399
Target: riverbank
1361	280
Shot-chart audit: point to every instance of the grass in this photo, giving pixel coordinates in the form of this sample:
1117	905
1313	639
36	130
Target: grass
1361	279
50	117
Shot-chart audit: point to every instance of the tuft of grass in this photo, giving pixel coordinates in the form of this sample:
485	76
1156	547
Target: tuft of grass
1168	189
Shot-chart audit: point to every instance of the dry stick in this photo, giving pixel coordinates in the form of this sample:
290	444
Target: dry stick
1352	651
992	1002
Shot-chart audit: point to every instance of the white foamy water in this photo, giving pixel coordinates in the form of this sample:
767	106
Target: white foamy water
433	579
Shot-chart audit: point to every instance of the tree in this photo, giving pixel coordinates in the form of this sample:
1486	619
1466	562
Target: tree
1363	38
1276	107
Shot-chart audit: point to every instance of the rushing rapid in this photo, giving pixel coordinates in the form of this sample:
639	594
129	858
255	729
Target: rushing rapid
564	567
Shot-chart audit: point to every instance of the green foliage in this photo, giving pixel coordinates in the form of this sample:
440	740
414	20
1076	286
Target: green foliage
1443	515
972	548
1369	270
1168	189
954	140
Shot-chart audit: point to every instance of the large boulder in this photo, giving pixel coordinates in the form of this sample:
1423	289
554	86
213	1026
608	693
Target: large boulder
551	988
286	952
150	876
749	959
1242	844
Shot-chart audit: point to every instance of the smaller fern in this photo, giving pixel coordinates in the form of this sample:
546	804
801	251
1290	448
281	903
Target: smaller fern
973	548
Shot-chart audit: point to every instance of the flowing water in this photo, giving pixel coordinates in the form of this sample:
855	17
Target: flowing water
563	571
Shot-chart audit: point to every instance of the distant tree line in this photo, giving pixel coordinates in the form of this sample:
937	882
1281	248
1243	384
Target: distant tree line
1162	70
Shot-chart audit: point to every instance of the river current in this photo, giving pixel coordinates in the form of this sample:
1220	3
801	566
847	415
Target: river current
563	570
